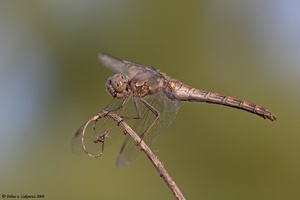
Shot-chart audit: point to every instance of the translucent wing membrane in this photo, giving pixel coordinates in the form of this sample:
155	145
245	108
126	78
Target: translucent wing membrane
97	133
167	109
93	137
101	131
117	65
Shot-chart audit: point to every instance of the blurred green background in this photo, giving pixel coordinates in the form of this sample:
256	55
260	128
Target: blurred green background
51	82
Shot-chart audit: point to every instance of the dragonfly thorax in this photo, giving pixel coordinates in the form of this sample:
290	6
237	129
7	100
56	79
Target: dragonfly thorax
116	86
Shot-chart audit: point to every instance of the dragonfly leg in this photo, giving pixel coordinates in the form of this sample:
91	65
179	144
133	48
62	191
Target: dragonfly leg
122	105
132	117
155	112
119	107
137	109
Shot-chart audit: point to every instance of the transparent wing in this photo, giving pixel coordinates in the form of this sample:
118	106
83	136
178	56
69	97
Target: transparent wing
102	128
117	65
168	110
96	128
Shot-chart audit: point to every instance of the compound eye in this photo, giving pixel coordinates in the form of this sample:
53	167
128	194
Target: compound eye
118	82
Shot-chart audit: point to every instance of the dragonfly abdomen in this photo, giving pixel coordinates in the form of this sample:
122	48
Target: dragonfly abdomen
183	92
240	104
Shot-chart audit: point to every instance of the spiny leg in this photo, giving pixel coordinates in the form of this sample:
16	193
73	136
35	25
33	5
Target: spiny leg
155	112
137	109
119	107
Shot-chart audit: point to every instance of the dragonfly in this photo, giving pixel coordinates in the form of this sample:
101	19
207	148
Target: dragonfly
148	100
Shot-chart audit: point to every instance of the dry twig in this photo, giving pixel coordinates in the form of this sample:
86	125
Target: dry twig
155	161
141	144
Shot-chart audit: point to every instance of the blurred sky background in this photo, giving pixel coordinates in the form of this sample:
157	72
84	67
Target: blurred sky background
51	82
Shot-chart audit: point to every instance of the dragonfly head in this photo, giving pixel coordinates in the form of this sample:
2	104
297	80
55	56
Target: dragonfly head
116	86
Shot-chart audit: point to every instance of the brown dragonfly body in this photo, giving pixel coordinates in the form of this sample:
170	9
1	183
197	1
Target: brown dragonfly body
155	101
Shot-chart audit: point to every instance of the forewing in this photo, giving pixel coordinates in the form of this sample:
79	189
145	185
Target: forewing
105	127
168	110
93	129
117	65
